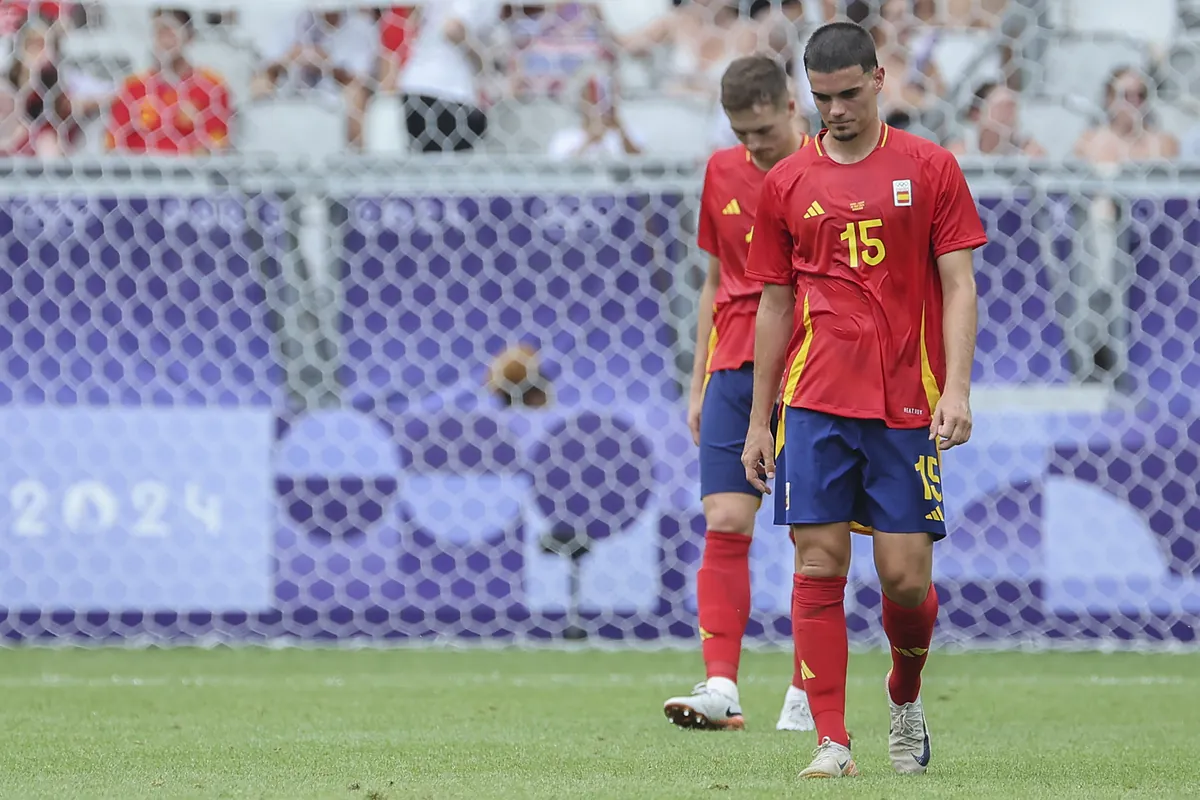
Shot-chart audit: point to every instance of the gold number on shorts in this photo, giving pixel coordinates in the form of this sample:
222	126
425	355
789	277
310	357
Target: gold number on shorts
929	470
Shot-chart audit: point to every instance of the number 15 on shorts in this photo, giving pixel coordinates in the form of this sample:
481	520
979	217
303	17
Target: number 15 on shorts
930	470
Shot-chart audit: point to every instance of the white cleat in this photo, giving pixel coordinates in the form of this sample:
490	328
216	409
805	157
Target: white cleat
908	736
830	760
796	715
708	708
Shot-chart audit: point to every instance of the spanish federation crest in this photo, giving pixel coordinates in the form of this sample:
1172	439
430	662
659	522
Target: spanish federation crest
902	193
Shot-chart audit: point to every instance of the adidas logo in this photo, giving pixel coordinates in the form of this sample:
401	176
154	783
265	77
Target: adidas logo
936	515
733	209
814	210
805	672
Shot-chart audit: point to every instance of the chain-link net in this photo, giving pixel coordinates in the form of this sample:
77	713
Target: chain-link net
291	390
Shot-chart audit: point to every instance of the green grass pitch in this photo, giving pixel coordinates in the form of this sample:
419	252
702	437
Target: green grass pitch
374	724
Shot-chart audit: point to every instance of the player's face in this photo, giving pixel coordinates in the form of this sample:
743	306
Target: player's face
848	99
767	131
169	38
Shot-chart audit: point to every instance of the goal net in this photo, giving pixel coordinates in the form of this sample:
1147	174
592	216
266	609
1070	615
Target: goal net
308	395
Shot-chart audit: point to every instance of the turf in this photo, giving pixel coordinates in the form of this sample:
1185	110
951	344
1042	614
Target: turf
550	724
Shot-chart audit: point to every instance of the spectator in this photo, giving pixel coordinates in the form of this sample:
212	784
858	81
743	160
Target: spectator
441	84
996	126
1128	132
552	43
14	13
174	107
602	133
913	85
36	105
397	28
704	37
331	53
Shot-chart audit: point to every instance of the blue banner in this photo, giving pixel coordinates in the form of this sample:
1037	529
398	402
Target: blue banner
426	505
150	509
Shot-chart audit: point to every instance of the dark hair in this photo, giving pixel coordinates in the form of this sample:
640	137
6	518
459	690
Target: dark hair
980	96
180	15
840	45
1110	85
753	81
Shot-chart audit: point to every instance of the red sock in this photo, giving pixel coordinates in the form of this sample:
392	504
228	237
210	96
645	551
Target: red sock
819	627
909	631
723	598
797	660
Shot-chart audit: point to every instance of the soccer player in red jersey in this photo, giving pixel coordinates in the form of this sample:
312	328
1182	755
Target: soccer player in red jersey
865	243
175	107
761	111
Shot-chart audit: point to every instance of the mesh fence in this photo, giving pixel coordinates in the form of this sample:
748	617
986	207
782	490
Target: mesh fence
298	392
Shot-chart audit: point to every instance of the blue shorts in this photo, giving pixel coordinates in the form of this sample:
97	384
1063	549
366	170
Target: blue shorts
836	469
724	419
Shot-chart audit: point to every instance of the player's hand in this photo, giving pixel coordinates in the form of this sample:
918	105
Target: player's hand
951	425
695	403
758	457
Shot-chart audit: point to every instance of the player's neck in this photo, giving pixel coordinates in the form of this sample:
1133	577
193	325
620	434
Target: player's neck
856	149
177	67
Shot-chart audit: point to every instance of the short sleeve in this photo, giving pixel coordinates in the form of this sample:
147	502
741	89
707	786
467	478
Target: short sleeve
706	235
771	245
956	223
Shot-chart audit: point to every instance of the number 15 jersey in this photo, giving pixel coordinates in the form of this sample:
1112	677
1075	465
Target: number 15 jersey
859	244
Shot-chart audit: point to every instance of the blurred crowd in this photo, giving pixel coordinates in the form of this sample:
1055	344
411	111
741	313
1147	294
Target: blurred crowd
449	63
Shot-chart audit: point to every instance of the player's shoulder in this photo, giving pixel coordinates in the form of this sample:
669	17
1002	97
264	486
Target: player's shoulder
918	148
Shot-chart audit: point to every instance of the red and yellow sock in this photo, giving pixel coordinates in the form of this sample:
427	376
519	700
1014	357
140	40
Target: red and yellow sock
909	631
819	628
723	600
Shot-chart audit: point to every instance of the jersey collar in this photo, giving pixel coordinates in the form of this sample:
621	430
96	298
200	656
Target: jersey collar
820	137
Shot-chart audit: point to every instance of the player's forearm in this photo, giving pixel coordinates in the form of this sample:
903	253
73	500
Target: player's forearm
959	324
704	326
772	331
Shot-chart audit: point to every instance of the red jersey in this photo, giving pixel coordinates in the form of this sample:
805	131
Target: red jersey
859	243
732	185
153	114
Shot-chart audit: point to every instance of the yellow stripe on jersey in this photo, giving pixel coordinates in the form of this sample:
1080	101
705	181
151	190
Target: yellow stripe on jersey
712	350
932	393
817	144
797	367
883	138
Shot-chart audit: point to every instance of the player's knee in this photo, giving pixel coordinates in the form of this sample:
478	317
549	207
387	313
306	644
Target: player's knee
906	588
730	513
822	556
